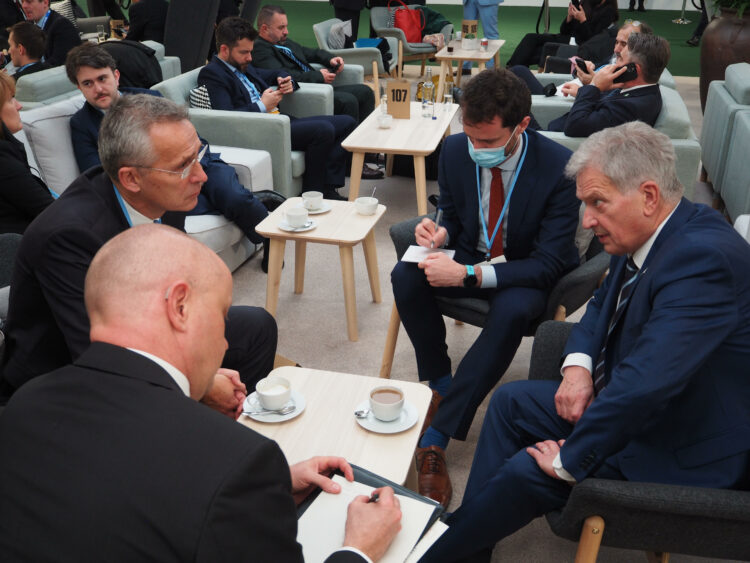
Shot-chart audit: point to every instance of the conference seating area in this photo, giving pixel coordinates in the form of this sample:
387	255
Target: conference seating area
712	164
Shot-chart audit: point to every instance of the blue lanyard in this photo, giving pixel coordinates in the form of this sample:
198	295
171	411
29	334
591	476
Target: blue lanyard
43	21
125	209
488	240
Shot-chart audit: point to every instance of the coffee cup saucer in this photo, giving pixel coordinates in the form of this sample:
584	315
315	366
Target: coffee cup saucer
406	419
325	207
253	404
285	226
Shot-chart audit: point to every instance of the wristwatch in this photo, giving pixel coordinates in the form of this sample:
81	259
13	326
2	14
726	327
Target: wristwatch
470	280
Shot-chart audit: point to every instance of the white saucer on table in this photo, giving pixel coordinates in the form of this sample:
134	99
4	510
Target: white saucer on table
325	207
284	226
406	419
253	404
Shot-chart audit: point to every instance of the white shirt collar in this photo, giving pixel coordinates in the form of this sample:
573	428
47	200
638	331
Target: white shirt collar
635	88
136	217
179	377
639	256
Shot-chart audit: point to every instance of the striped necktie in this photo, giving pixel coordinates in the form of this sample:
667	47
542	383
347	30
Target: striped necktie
249	86
628	282
288	52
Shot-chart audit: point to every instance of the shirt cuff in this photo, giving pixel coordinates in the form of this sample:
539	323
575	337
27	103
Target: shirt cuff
262	106
576	359
489	277
560	470
355	550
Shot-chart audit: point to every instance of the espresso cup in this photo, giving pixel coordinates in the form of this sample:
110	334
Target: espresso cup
385	120
312	200
296	217
273	392
366	205
386	402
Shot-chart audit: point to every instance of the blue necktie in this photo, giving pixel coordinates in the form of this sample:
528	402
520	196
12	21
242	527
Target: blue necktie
628	279
288	52
247	83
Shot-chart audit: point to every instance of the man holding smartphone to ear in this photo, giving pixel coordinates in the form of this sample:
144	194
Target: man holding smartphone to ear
619	93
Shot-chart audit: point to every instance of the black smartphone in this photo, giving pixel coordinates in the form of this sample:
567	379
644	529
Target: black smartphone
335	67
576	4
630	74
581	64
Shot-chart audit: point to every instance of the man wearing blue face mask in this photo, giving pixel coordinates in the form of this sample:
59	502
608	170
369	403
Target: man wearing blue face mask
511	215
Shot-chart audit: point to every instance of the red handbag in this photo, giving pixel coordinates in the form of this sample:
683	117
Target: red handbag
410	21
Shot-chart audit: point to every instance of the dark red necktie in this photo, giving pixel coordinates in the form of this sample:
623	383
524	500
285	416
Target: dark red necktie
497	200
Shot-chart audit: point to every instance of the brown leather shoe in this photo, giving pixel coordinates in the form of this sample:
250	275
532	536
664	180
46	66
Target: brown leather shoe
431	410
432	475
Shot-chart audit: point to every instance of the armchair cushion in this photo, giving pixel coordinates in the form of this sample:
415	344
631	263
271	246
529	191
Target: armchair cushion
199	98
338	33
738	82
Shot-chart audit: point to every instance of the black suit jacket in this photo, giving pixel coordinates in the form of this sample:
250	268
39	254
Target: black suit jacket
117	464
47	325
62	36
266	55
595	110
35	67
147	20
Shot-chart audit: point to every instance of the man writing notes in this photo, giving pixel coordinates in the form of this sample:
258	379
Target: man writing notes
654	381
511	215
113	458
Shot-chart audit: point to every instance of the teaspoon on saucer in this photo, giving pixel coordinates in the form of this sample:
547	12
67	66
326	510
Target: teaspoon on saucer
282	411
362	414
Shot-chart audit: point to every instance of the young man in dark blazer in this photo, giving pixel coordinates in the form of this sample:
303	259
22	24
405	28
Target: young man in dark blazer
654	381
26	49
150	173
496	162
120	463
62	35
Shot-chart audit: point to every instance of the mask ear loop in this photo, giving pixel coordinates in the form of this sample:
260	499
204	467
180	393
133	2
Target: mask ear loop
508	151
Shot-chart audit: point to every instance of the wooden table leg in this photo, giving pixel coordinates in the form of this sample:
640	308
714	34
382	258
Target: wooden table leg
459	72
497	59
371	261
355	177
300	250
481	65
420	178
441	83
389	165
347	273
275	262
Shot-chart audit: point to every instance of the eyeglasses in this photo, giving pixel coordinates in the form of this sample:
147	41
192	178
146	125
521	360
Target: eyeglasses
185	172
633	23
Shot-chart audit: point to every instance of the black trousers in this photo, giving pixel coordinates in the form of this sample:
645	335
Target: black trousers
529	50
251	333
320	137
355	100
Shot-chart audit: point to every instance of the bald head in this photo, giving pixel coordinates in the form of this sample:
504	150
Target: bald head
155	289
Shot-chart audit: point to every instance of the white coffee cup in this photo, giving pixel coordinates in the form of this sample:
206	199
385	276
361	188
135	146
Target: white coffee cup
366	205
296	217
385	120
312	200
273	392
386	402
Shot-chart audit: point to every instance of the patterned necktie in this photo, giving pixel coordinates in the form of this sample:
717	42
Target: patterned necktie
288	52
249	86
628	279
497	200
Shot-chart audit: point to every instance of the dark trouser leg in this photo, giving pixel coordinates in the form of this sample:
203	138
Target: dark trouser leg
529	50
226	195
506	488
344	14
363	100
344	103
320	137
523	72
251	334
511	312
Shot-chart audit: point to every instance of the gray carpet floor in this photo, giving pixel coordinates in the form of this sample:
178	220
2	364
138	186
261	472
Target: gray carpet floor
312	332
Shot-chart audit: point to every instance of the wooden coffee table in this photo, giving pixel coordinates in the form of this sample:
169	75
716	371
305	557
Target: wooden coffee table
341	226
327	425
417	136
461	55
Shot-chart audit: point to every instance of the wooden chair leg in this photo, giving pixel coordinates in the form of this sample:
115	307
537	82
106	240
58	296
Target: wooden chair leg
657	557
400	60
424	62
591	538
560	313
390	343
376	82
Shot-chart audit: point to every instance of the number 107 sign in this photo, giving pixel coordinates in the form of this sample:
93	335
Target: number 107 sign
399	102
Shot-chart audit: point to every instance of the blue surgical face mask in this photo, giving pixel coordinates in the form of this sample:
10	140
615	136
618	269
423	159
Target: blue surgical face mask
489	158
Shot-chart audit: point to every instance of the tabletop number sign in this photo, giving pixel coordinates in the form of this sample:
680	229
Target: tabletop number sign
399	103
470	28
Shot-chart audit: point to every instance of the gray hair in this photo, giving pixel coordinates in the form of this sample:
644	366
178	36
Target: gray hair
124	137
629	155
651	52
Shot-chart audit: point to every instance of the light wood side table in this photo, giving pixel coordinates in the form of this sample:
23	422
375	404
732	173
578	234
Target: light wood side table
341	226
461	55
327	425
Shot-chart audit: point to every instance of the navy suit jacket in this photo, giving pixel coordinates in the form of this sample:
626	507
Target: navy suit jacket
84	130
227	91
677	405
542	214
594	110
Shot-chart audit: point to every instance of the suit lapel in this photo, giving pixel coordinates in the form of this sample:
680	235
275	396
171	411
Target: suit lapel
525	184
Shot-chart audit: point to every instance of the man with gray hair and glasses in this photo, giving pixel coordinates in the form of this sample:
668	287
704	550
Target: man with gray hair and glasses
150	155
654	381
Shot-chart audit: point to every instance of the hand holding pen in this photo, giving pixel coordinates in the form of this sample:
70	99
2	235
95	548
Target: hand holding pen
438	218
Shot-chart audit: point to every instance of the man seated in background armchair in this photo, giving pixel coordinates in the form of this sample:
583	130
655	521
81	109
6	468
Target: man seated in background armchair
26	49
62	35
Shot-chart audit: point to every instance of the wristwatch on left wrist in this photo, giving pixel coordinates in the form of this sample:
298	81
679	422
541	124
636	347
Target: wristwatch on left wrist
471	279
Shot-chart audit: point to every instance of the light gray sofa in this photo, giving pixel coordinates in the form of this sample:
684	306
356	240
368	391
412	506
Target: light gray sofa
46	134
666	79
262	131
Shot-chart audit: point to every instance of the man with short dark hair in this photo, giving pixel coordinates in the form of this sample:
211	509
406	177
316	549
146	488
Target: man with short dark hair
26	49
93	70
511	215
274	50
234	84
654	383
607	102
150	154
62	35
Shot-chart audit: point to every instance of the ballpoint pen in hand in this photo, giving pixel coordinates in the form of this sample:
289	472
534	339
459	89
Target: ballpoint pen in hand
438	217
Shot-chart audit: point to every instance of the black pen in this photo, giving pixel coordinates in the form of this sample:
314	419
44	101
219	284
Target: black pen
438	217
374	497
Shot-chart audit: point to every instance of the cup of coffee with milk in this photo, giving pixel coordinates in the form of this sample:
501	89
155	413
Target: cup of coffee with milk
386	402
273	392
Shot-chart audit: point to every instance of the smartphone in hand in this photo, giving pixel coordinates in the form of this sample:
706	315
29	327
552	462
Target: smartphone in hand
630	74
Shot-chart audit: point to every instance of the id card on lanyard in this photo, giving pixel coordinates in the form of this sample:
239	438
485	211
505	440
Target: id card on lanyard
488	241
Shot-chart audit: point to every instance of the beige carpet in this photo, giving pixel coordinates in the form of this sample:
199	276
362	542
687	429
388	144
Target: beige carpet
312	332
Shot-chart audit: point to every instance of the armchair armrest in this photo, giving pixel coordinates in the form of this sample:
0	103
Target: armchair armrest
309	100
546	109
351	74
363	56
